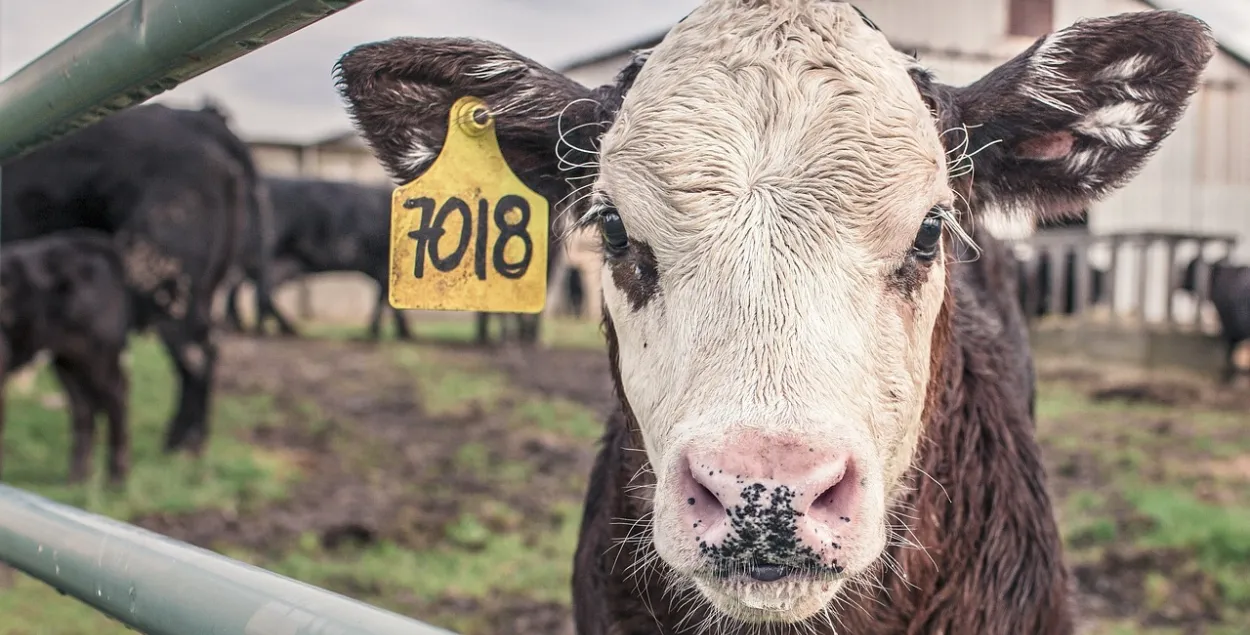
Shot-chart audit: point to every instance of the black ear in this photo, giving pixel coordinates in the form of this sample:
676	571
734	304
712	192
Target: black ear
1077	114
399	94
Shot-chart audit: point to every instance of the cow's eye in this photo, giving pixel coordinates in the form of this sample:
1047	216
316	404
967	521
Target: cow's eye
929	238
615	240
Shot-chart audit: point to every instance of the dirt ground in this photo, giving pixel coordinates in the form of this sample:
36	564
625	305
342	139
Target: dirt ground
380	465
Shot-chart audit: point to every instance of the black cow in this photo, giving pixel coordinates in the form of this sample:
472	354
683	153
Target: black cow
65	293
175	197
323	226
259	233
1228	287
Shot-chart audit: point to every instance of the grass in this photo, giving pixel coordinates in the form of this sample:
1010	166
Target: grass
233	472
1151	486
232	475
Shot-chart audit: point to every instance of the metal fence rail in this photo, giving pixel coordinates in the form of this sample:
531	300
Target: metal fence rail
137	50
164	587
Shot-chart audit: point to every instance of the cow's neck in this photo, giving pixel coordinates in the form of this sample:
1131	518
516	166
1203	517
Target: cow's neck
992	561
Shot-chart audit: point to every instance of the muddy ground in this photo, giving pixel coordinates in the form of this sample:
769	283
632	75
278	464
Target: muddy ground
379	466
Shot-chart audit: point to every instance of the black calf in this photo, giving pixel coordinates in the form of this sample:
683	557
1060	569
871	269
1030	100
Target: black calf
66	294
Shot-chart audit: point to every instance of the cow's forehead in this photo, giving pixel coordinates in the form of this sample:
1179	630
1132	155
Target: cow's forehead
799	92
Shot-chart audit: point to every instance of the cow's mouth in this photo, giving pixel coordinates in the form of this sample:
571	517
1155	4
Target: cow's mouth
769	592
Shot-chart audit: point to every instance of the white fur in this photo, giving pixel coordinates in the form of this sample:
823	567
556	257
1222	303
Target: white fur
1122	125
779	161
418	157
496	66
1127	69
1050	84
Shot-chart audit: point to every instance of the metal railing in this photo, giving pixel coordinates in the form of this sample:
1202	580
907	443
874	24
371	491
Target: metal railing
160	586
1135	283
148	582
138	49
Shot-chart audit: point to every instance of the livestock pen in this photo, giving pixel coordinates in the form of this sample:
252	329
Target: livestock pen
443	481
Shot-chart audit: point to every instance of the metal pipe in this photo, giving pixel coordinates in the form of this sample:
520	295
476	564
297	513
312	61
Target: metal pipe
160	586
137	50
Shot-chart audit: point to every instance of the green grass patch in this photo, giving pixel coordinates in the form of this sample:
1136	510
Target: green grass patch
30	607
233	473
560	416
448	386
472	562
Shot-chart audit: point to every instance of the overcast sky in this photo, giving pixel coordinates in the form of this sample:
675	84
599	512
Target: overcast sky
285	90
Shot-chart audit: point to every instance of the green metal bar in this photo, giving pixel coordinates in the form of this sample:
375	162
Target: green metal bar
137	50
161	586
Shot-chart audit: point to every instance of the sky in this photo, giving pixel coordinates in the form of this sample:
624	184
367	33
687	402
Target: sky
284	91
1229	20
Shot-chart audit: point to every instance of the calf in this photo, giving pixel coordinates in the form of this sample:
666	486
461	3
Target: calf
175	198
1228	288
65	293
323	226
824	418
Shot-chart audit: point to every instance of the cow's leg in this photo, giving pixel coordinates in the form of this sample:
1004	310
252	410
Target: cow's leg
375	319
1229	373
265	307
233	320
112	387
76	381
195	358
401	324
528	328
280	272
483	329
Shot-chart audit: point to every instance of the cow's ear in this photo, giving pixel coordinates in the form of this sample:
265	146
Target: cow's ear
399	94
1078	113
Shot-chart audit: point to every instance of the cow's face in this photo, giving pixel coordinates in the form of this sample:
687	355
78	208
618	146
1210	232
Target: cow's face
779	194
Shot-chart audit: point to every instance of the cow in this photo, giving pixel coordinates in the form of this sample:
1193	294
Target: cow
174	200
825	420
65	293
322	226
1228	288
258	233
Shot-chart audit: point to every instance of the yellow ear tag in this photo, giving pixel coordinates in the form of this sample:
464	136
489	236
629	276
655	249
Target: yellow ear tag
468	235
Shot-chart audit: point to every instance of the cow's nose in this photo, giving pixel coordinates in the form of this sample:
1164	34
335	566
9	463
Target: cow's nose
758	507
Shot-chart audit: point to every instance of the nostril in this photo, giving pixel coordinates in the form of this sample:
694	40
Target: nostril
838	498
702	495
768	572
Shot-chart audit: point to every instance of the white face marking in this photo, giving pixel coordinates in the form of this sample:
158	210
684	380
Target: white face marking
779	161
